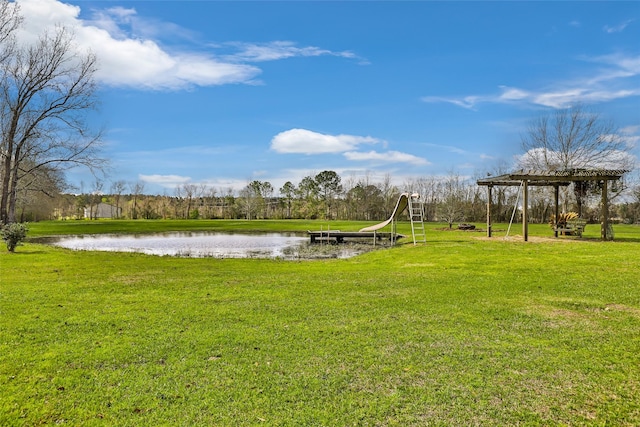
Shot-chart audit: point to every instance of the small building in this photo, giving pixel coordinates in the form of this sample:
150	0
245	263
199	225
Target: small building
102	210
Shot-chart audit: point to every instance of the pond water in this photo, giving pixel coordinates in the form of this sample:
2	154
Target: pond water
207	244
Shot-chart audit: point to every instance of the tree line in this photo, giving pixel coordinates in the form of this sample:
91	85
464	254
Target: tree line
451	199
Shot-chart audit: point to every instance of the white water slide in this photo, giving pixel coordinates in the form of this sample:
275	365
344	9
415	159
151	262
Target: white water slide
401	205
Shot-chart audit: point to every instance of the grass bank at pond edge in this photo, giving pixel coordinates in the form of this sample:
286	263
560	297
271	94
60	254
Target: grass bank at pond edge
461	331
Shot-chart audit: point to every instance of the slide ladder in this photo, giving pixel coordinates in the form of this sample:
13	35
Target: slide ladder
417	219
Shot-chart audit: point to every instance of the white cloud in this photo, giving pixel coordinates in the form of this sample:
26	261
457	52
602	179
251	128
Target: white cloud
468	102
304	141
259	52
513	94
111	20
615	78
223	185
449	148
127	61
309	142
130	55
386	157
630	136
617	28
170	181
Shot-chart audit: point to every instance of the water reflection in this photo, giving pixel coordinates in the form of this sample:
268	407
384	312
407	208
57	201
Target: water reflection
190	244
204	244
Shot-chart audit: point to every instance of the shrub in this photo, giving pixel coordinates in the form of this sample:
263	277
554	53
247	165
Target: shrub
13	235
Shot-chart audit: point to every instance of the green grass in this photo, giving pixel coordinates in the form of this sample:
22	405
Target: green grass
461	331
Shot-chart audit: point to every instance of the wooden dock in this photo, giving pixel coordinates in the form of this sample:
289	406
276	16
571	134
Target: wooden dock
338	236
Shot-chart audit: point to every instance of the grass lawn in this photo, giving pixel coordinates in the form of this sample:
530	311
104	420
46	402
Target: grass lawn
464	330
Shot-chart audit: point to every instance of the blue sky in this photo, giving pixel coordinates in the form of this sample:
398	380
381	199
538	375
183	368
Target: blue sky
221	93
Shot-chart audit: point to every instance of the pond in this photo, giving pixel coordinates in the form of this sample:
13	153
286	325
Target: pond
209	244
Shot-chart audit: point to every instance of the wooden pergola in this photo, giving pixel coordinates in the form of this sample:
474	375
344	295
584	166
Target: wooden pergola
555	179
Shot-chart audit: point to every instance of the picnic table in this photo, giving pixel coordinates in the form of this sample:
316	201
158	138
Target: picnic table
573	227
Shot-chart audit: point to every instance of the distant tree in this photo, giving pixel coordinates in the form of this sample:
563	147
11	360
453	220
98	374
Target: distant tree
504	197
81	202
209	195
117	188
635	205
228	203
95	197
430	190
148	207
164	206
355	200
328	184
250	200
452	205
574	138
307	193
373	203
287	192
136	188
390	195
46	91
266	192
190	192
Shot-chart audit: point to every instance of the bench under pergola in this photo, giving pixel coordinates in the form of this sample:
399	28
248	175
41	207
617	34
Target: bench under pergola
555	179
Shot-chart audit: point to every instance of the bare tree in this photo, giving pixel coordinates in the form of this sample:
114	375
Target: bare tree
454	190
209	195
117	188
10	21
95	197
389	195
228	203
574	138
46	90
37	194
250	199
190	192
136	188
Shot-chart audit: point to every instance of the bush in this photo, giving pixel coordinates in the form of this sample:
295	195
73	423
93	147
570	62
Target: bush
14	234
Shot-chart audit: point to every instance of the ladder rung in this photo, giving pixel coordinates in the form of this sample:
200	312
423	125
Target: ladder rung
417	220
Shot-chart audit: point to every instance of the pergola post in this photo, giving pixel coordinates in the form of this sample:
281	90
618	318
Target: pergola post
556	192
489	188
525	210
604	214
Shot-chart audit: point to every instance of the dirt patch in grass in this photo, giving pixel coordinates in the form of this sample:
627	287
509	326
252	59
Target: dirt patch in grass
535	239
475	230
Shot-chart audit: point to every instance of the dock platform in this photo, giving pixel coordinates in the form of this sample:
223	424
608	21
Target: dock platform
340	236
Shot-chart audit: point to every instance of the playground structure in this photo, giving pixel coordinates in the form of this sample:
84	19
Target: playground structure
411	202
